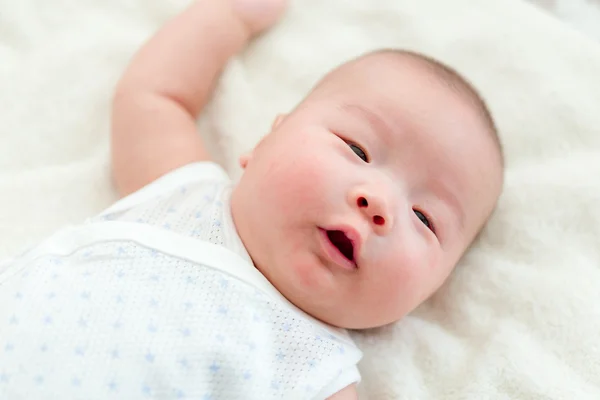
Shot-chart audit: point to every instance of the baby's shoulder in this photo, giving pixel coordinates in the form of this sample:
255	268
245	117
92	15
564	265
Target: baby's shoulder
186	181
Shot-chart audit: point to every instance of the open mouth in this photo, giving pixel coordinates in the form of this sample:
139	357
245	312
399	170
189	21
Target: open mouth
342	243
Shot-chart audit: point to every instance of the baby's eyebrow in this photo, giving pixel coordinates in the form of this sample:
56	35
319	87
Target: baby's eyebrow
373	119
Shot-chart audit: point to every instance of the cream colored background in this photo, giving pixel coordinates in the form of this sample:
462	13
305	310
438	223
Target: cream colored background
583	15
520	318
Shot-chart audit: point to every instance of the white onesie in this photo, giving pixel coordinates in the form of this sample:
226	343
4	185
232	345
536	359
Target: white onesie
158	298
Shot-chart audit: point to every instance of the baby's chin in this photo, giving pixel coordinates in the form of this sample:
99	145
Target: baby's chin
318	297
340	318
353	317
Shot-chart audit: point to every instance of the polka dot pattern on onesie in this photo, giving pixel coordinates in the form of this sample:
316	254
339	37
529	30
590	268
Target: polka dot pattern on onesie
118	319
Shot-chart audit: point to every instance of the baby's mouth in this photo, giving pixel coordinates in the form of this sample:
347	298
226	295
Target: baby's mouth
342	243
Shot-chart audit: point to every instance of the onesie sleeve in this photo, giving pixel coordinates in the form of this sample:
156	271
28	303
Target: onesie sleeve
346	377
190	173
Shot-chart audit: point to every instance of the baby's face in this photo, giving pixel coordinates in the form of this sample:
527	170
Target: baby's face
358	205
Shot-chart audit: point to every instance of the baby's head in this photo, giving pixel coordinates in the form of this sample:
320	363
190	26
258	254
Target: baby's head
359	203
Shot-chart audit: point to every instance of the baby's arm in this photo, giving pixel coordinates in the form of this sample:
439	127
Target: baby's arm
158	99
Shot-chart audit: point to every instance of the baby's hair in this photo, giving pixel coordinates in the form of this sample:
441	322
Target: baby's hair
458	83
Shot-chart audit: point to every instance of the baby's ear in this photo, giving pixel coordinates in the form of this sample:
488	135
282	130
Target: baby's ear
245	159
278	120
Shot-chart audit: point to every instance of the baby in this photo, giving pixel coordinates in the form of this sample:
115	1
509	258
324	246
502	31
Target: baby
351	212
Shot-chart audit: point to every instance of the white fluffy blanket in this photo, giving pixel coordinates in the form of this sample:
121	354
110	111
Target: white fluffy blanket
520	318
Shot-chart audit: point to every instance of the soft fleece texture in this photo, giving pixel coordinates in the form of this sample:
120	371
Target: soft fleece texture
581	14
520	318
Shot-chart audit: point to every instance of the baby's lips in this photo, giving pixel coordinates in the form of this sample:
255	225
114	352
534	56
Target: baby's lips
354	236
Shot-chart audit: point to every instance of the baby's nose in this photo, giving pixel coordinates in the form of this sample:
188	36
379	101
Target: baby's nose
374	206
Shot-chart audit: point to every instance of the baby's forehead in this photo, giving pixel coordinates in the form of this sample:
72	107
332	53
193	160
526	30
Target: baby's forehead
395	83
399	74
395	71
389	84
370	69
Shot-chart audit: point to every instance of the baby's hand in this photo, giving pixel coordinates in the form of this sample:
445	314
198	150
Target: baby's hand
258	15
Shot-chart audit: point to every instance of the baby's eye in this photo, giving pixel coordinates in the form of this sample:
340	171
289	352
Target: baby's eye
423	219
359	152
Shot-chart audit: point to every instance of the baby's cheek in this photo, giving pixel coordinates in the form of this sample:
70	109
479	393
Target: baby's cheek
408	273
300	185
309	274
426	276
304	274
